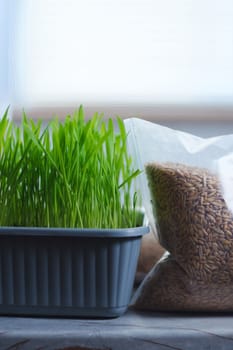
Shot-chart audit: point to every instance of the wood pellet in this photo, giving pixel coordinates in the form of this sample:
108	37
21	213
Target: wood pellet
196	228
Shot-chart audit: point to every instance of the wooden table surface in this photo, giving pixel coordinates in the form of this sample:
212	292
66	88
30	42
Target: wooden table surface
134	330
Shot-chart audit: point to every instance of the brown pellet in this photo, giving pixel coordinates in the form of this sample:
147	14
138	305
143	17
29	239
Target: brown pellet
196	228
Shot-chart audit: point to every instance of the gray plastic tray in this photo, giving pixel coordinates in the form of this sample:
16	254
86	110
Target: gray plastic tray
67	272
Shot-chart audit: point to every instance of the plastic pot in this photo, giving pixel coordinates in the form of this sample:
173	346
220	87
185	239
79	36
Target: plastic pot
67	272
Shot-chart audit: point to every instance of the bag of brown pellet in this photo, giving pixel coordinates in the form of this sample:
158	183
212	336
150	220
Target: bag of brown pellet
196	228
185	194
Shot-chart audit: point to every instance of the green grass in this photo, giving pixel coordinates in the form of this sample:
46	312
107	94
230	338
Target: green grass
75	173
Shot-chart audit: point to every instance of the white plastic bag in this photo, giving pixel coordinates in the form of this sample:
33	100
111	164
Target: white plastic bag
149	142
189	181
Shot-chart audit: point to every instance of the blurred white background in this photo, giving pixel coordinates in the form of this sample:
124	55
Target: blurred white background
166	60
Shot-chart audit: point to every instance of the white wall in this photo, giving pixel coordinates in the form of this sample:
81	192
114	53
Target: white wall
3	54
124	51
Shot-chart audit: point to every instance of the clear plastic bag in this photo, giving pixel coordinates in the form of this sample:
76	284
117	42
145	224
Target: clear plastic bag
187	194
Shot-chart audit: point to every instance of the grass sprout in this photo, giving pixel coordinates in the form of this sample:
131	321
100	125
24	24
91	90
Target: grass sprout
76	173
